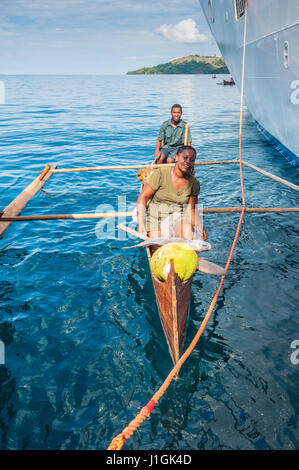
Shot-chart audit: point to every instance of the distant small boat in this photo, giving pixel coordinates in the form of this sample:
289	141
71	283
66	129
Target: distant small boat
213	76
227	82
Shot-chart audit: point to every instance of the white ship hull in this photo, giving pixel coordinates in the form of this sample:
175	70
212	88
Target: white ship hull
272	63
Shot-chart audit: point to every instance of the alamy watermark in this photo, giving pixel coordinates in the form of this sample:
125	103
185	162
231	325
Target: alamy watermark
2	92
107	226
2	353
163	217
295	355
295	94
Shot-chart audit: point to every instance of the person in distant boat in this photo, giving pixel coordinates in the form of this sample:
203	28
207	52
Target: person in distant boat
169	198
171	136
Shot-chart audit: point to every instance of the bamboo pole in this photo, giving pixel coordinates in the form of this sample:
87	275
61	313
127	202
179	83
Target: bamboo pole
96	215
211	162
261	210
132	167
273	177
18	204
102	215
186	134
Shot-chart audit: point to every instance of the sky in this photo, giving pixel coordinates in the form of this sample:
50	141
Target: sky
99	36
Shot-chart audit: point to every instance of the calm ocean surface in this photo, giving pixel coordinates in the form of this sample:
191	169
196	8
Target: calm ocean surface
84	348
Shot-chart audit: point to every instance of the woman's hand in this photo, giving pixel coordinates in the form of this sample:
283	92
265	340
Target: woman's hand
202	234
141	229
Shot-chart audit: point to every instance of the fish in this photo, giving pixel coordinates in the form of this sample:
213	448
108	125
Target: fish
196	245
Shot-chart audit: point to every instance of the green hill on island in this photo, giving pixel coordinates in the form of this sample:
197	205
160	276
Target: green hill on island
191	64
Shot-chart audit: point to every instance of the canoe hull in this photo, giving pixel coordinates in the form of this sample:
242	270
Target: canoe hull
173	298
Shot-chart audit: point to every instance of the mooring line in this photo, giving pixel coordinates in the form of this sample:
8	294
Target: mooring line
118	442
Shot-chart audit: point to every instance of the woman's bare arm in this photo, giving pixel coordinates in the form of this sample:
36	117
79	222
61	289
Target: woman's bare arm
194	217
145	195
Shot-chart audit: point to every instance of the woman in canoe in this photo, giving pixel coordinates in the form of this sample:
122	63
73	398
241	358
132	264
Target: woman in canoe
173	193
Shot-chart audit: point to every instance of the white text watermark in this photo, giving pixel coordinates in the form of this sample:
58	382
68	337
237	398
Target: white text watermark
295	94
2	353
295	354
169	220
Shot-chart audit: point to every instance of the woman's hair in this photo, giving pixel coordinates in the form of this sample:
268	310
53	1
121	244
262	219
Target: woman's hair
186	147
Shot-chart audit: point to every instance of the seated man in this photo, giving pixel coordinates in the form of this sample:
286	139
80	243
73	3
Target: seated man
172	136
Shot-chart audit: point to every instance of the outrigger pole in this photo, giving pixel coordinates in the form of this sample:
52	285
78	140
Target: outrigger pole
12	211
130	167
154	166
112	215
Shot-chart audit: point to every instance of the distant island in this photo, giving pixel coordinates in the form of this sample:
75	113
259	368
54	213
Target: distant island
191	64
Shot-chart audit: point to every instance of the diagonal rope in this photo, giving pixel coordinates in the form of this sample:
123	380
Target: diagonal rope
118	442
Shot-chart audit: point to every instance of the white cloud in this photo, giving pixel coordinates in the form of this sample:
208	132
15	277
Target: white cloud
184	31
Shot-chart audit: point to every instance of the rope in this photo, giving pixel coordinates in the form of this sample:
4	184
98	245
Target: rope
118	442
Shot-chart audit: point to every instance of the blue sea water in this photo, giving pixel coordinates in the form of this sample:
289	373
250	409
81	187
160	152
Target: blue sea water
84	347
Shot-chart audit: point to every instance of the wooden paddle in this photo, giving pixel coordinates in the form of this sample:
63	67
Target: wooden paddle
132	231
186	134
208	267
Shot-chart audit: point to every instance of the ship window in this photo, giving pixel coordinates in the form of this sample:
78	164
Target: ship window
286	54
211	11
240	8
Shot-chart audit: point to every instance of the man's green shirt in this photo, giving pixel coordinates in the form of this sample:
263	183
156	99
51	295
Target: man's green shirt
173	137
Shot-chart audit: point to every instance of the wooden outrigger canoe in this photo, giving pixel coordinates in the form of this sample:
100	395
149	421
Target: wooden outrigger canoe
173	298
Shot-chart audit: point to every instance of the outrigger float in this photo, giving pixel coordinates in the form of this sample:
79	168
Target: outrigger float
172	295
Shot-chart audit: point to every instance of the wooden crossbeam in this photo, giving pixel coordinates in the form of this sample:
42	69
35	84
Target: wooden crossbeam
101	215
132	167
201	163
